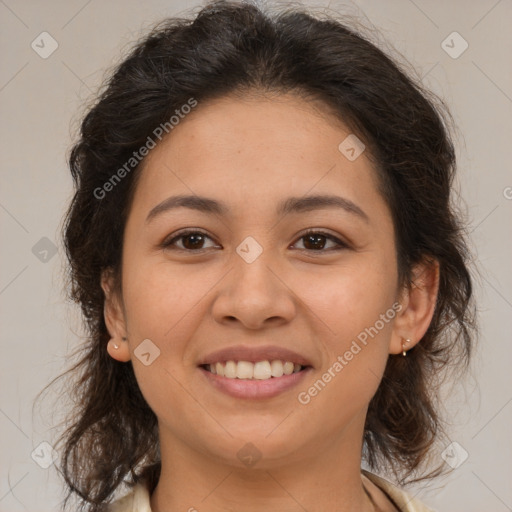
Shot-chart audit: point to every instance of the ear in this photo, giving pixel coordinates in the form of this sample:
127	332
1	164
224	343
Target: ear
114	319
418	300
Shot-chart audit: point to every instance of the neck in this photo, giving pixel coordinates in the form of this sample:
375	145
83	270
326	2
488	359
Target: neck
327	480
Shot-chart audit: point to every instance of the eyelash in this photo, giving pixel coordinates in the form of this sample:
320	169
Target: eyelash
168	243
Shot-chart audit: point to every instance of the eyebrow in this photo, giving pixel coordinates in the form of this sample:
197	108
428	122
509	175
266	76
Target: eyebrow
290	205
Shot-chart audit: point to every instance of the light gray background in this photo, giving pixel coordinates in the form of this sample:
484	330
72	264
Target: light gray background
41	101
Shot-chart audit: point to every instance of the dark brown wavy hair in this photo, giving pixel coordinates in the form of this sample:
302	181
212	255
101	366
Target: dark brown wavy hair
239	48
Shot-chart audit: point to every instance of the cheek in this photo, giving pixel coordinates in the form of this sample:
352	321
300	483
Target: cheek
160	297
162	305
350	299
356	308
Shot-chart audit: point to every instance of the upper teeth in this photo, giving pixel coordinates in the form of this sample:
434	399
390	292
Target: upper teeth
261	370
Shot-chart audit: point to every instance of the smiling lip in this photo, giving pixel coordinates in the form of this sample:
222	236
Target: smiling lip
254	354
252	388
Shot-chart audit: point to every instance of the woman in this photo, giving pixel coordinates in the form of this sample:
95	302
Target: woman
264	247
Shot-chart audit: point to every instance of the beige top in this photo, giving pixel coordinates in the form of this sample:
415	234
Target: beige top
138	499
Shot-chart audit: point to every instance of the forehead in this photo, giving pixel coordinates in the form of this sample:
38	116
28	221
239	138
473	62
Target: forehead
257	148
242	122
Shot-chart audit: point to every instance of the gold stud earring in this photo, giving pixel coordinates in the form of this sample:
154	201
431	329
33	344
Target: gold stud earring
404	343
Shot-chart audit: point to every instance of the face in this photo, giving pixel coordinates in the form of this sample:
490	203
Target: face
260	270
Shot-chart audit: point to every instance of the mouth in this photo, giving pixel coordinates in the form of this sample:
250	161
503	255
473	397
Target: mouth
261	370
254	373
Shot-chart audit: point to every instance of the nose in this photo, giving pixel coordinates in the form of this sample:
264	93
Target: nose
255	295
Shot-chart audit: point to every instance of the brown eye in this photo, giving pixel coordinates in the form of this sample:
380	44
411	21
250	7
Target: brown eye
316	241
192	241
